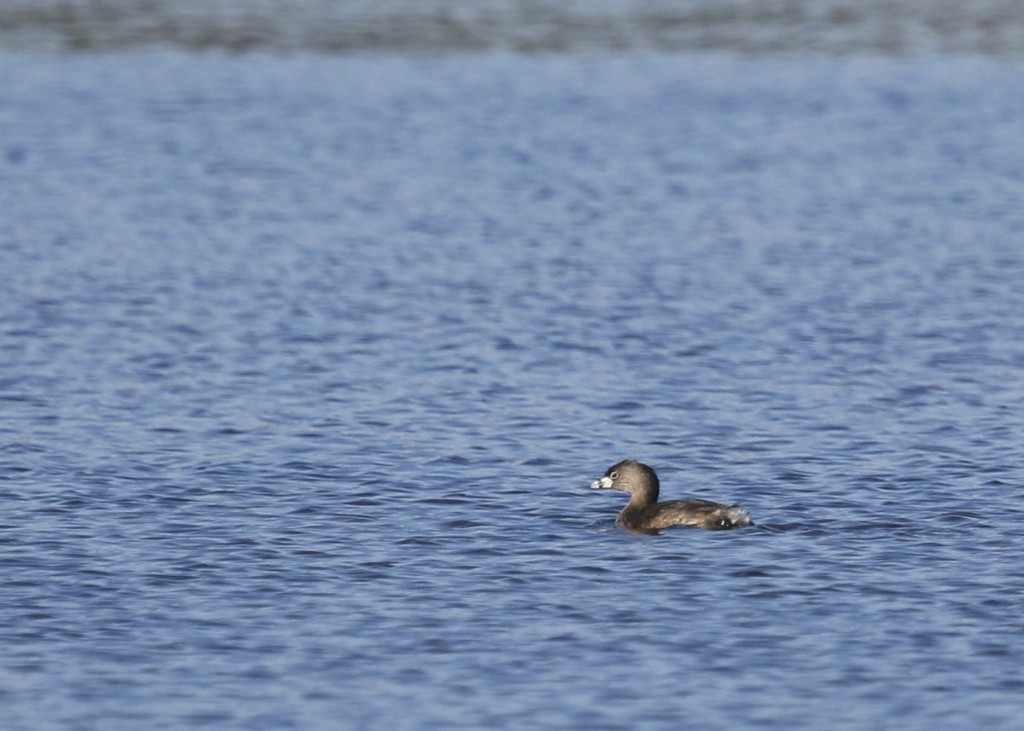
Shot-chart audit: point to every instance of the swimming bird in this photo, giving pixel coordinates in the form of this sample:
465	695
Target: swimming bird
644	514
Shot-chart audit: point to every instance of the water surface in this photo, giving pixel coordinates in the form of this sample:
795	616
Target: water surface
306	364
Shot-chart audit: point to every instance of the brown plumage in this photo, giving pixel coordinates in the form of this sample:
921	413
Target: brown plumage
643	513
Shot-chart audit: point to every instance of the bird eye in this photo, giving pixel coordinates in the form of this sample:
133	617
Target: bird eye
614	475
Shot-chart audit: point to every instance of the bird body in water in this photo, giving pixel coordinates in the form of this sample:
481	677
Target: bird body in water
644	514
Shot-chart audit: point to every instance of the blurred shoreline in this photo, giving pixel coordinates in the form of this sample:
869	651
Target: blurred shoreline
830	27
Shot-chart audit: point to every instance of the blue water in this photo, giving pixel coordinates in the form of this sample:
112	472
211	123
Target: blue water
306	364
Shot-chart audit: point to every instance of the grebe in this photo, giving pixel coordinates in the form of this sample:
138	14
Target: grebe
643	513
